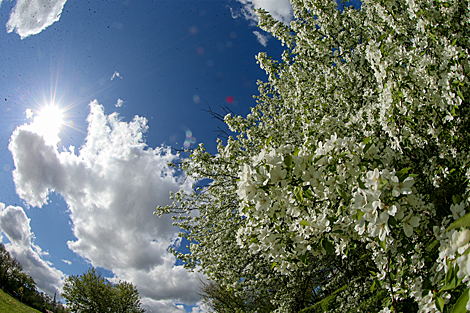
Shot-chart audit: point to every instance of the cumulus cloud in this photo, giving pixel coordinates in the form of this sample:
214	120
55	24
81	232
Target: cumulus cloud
112	185
30	17
15	225
165	306
67	262
200	307
281	10
119	103
262	39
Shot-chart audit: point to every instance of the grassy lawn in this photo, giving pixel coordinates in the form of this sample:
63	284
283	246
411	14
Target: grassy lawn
9	304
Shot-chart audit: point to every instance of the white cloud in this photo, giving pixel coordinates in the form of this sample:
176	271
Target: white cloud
111	188
30	17
28	113
119	103
116	74
15	225
67	262
200	307
281	10
262	39
164	306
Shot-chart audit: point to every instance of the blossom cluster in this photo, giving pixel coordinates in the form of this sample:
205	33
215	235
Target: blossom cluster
298	203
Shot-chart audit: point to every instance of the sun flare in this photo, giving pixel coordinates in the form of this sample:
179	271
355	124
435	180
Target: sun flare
48	123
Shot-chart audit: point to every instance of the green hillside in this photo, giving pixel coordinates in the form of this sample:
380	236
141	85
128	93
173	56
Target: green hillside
8	304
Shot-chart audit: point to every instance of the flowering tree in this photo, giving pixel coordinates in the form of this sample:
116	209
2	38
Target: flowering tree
358	146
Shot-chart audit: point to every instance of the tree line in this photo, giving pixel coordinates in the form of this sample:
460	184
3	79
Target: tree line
89	292
23	287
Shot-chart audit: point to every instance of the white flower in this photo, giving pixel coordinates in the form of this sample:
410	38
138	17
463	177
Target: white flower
381	230
460	239
311	176
409	223
372	179
401	188
272	158
426	305
262	177
277	174
263	202
259	158
458	210
360	200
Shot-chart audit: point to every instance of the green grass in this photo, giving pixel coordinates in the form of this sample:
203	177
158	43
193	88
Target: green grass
8	304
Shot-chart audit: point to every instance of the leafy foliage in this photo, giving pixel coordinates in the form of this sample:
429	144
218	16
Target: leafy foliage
93	293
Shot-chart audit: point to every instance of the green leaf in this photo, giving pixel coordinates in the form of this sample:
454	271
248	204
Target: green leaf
288	161
273	265
269	140
461	304
464	221
328	246
372	288
341	192
361	183
459	93
453	112
432	245
383	244
359	214
403	171
298	192
304	258
449	274
304	223
367	147
309	194
454	42
382	37
440	304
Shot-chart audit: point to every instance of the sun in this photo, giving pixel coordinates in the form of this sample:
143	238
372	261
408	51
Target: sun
48	123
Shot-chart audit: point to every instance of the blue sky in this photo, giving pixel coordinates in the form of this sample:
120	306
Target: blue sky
132	79
66	209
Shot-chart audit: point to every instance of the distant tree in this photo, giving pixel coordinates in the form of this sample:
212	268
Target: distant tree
93	293
128	298
9	267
